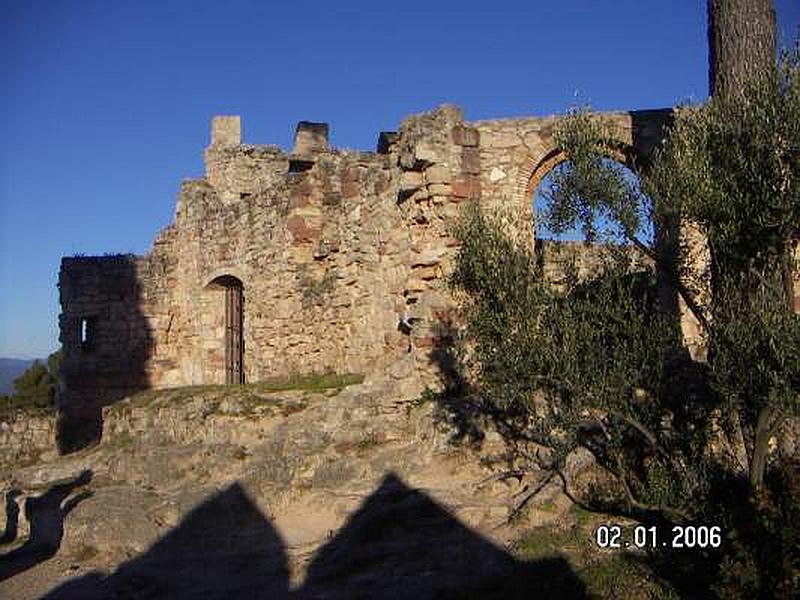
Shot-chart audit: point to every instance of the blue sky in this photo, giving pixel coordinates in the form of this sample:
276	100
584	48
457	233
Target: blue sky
105	105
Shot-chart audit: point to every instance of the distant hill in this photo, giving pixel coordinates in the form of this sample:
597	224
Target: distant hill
10	369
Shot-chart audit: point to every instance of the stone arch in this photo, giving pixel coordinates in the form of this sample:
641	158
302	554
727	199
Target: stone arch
226	280
221	272
536	168
222	327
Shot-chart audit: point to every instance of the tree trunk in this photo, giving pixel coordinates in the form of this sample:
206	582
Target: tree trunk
742	51
741	44
764	426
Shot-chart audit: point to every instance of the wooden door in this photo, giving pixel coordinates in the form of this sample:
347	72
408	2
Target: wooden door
234	346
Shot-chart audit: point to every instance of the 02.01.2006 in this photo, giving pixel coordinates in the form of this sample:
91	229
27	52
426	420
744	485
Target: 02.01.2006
680	536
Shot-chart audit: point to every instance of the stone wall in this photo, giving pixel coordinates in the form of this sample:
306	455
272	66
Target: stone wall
107	325
341	255
515	154
25	437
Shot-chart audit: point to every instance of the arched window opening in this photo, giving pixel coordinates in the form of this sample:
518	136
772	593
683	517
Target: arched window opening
557	220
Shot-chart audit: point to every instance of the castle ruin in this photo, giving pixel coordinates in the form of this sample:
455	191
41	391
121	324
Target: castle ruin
317	260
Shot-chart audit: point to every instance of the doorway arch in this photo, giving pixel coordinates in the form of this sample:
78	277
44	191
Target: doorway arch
226	316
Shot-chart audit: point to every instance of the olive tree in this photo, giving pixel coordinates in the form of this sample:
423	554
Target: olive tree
600	364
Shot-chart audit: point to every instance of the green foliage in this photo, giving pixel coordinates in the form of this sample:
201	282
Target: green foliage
618	575
54	365
592	366
733	168
599	365
756	346
591	187
35	389
762	557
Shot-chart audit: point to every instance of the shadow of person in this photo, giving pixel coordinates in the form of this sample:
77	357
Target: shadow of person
223	548
400	543
12	517
46	515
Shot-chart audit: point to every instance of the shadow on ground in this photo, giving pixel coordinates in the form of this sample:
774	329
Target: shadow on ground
46	514
398	544
12	517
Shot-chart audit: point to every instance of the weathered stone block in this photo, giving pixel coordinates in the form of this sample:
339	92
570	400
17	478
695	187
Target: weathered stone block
496	174
426	273
415	285
467	186
470	160
421	195
226	131
310	138
425	154
501	139
332	198
300	195
411	180
439	189
437	174
465	136
350	183
426	258
301	232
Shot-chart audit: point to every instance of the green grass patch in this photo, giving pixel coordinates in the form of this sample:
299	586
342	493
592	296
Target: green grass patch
309	383
582	517
363	444
617	574
541	542
249	391
547	506
623	576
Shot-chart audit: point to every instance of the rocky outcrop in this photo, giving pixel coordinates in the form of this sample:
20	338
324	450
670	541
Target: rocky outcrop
217	473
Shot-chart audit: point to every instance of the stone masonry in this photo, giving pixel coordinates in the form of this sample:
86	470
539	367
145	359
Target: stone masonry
340	255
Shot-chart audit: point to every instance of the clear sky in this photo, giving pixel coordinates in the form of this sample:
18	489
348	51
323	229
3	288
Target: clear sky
105	105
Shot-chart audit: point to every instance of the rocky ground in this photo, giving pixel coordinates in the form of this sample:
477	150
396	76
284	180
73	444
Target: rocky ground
313	493
250	493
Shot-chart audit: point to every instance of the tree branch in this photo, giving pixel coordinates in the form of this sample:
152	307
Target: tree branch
646	433
673	280
528	495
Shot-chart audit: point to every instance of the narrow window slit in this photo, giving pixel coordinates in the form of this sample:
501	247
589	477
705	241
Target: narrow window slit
86	332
